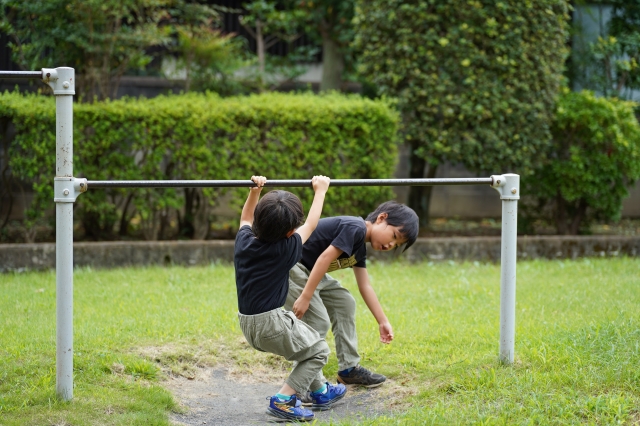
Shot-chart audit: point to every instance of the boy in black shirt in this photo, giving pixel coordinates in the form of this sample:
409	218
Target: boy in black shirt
265	250
320	301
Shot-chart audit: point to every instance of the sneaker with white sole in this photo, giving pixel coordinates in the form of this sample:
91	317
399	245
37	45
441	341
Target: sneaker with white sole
289	410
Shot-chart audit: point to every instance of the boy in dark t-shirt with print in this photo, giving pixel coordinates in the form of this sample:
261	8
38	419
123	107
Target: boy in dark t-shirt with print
267	246
321	301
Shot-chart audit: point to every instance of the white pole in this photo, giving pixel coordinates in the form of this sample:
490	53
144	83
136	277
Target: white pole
509	187
62	80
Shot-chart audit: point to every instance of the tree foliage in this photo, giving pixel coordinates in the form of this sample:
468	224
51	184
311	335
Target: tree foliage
101	39
476	80
209	60
611	64
594	160
270	22
332	22
329	22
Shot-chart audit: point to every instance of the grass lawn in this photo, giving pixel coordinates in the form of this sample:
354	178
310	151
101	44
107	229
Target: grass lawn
577	342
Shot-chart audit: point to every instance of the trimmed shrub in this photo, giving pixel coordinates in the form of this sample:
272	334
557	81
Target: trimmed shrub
594	160
202	136
476	80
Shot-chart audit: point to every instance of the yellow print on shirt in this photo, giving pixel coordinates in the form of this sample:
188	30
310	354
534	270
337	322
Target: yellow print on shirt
347	262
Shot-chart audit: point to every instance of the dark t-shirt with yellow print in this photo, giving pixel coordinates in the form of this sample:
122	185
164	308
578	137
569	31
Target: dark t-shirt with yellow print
346	233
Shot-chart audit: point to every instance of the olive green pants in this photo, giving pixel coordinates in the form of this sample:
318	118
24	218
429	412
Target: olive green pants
280	332
331	306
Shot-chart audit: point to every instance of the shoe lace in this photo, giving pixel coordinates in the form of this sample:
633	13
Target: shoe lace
361	371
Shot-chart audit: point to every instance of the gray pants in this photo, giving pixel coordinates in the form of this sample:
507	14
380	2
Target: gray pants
281	333
331	306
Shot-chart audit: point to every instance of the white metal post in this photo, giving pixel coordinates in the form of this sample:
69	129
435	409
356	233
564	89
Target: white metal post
508	185
62	81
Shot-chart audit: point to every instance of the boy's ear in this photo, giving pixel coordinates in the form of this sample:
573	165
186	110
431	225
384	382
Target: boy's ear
290	233
382	217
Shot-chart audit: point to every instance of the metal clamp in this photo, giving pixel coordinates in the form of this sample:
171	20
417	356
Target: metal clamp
67	189
508	185
61	80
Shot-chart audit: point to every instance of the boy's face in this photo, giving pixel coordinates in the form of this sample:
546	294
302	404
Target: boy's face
385	237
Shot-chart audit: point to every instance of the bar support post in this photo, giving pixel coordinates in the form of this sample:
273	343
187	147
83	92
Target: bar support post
62	81
508	185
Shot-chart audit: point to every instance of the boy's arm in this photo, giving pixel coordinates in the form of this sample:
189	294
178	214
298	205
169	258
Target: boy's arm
371	299
246	217
320	185
320	268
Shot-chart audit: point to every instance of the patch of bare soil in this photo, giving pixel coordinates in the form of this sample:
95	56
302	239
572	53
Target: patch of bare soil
215	399
229	383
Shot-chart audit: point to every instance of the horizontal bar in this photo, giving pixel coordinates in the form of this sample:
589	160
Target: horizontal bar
21	74
281	183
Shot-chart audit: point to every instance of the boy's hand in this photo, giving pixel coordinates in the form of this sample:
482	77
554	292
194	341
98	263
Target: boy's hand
320	183
258	180
300	307
386	332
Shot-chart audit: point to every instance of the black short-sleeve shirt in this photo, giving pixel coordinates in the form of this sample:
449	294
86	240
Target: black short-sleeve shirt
262	270
344	232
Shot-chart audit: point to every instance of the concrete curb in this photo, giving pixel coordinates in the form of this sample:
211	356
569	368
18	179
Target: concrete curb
22	257
487	249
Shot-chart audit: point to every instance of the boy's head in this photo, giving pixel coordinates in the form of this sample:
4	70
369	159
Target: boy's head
276	215
400	216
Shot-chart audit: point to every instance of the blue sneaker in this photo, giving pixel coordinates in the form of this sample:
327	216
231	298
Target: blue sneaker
290	410
323	401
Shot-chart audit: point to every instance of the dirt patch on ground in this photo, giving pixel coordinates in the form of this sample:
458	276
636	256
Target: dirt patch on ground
215	399
229	383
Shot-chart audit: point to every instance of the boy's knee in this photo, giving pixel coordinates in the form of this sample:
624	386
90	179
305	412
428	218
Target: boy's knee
321	351
325	351
350	303
345	307
322	326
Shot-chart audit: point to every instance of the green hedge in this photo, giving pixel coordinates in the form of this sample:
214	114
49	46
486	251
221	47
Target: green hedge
197	136
594	160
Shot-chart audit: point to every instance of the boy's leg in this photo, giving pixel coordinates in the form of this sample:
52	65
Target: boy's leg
316	316
331	306
283	334
341	307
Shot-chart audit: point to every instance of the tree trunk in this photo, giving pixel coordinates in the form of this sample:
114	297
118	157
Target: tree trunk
164	223
189	58
6	177
561	215
579	215
186	226
569	216
332	64
260	47
420	196
124	220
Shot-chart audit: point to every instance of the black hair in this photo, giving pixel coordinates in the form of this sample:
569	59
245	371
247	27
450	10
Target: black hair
401	216
276	214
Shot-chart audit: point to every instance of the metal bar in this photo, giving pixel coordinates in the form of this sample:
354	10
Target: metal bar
281	183
20	74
